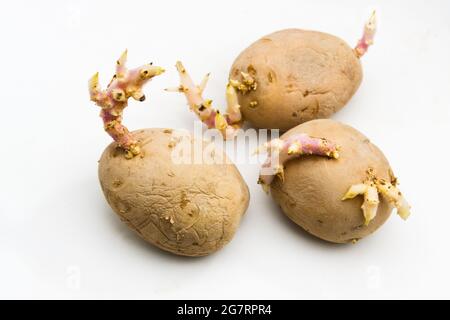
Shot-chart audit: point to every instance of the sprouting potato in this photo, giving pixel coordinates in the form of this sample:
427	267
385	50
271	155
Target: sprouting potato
332	181
190	208
293	76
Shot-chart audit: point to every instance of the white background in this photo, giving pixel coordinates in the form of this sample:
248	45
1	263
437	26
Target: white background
59	238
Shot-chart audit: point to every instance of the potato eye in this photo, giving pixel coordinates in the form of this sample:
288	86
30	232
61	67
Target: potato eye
118	95
144	73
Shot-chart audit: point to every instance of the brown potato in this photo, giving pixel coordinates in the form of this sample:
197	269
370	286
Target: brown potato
187	209
300	75
313	188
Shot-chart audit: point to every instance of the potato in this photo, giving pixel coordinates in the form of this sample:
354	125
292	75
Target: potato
312	192
300	75
187	209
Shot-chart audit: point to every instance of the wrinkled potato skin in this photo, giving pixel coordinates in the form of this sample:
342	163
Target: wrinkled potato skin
301	75
186	209
314	186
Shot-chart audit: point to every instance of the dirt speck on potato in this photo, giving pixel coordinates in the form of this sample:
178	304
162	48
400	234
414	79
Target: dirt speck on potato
117	183
253	104
251	70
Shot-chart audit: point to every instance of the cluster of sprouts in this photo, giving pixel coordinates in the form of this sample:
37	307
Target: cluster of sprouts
126	83
370	188
227	123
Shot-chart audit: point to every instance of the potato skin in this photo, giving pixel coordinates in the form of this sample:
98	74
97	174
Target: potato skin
186	209
314	186
301	75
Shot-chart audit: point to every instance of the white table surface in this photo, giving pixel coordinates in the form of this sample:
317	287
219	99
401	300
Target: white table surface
59	238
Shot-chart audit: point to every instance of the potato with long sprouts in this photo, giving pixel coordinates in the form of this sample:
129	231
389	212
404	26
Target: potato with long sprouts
186	206
317	181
